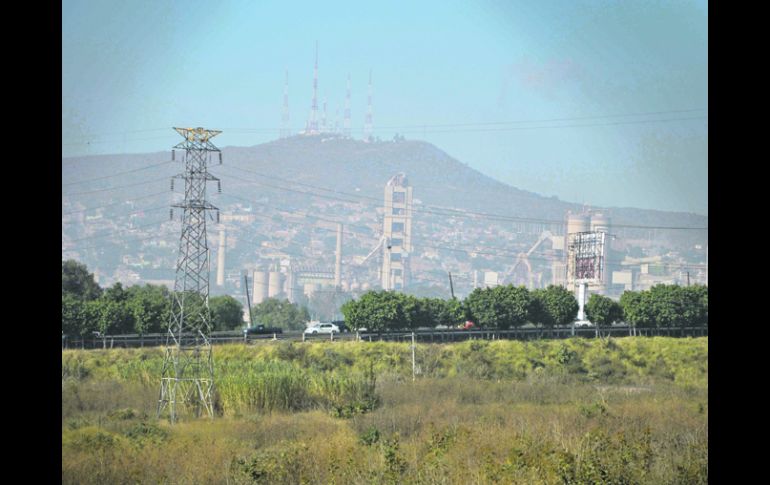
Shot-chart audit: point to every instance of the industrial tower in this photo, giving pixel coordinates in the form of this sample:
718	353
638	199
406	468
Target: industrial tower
187	375
397	233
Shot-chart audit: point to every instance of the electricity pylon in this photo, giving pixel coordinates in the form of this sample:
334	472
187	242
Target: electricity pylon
187	376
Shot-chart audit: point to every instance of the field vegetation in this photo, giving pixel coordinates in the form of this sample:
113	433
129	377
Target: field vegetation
628	410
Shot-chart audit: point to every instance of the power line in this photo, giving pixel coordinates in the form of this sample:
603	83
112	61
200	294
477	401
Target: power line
419	126
150	209
115	203
144	182
435	209
116	174
114	234
476	250
512	128
544	120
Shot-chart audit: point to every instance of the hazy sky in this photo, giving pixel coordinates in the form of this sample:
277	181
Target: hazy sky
626	82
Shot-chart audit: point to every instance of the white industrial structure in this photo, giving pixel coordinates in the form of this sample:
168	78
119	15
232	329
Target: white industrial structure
397	233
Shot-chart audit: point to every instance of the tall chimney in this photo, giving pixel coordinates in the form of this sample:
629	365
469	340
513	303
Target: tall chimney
338	263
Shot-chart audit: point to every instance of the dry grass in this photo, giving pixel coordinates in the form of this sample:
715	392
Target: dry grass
554	424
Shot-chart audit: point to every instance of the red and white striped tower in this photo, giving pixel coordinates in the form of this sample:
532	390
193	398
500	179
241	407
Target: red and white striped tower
312	123
368	122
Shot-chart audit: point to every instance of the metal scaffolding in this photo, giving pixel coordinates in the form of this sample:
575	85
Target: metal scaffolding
187	375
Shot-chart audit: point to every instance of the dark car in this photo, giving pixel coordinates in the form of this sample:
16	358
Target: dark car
341	325
261	330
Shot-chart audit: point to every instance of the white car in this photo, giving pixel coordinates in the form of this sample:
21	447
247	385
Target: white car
583	323
322	328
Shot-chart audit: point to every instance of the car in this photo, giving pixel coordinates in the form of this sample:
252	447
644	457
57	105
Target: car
261	330
583	323
341	324
322	328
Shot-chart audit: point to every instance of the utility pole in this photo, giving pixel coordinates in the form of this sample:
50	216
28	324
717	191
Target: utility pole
248	300
414	364
688	278
451	287
187	375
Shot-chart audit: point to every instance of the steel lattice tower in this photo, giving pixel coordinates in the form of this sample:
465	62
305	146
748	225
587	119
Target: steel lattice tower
312	123
187	376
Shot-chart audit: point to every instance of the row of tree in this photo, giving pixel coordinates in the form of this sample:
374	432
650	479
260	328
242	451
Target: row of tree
508	306
501	307
143	309
86	308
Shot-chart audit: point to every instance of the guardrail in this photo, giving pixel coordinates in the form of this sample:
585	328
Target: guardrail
425	336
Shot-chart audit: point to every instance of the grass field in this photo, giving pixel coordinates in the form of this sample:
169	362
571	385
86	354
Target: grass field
629	410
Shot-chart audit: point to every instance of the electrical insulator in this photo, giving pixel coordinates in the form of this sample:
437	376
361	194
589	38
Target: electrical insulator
220	158
171	214
172	184
173	155
219	186
217	217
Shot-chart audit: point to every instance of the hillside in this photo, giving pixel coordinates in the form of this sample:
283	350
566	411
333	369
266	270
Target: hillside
353	166
120	224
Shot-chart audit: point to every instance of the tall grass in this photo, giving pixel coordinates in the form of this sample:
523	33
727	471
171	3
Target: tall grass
629	410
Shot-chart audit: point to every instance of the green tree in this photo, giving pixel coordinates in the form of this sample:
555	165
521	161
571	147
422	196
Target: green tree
226	313
554	305
151	307
78	282
602	311
668	306
637	309
376	311
698	299
112	317
500	307
78	317
280	313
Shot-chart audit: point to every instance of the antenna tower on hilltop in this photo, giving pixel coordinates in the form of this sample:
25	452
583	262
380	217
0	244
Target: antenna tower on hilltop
312	123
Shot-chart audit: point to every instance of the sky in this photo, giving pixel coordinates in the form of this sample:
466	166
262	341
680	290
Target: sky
596	102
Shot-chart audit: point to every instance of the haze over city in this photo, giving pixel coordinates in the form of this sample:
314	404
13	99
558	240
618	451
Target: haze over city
602	103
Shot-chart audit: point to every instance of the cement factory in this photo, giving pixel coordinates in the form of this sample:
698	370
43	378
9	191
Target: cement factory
579	254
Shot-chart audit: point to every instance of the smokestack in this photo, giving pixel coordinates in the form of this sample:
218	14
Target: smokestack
368	122
338	263
221	258
346	127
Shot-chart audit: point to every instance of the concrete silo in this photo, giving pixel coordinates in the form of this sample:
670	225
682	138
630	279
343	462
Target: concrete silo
260	286
275	284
